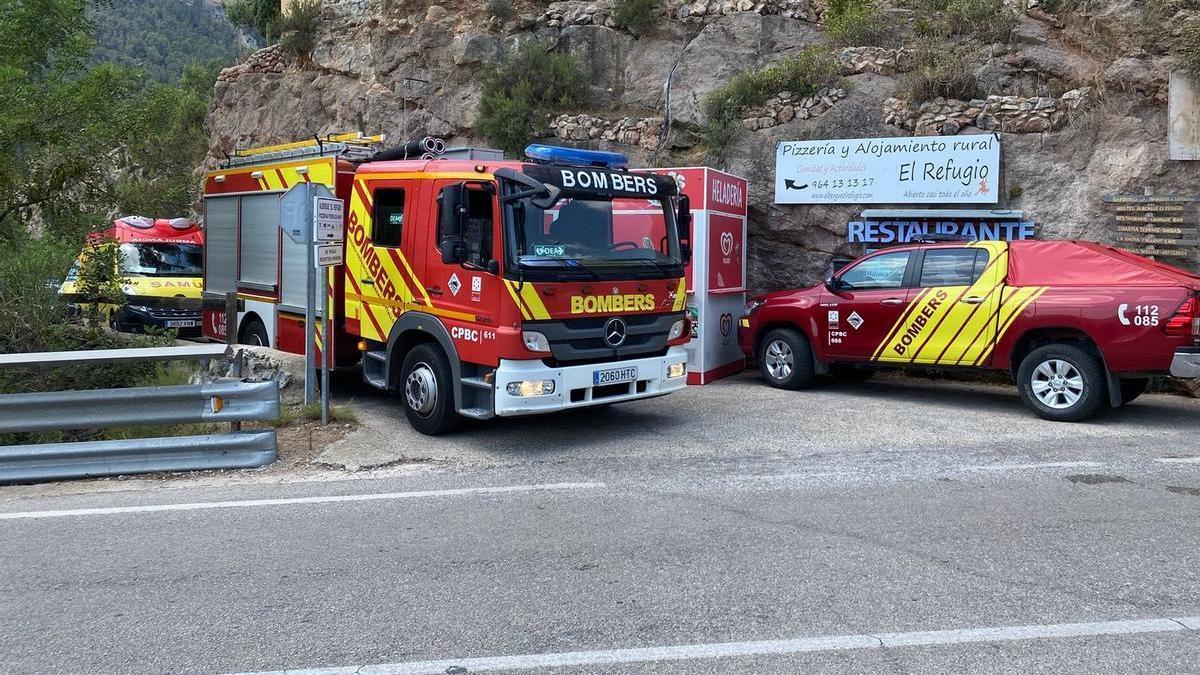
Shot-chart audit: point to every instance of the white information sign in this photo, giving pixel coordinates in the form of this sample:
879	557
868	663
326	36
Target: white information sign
920	170
328	218
329	255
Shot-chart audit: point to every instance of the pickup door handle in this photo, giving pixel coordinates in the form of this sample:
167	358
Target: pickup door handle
436	290
892	301
972	299
367	282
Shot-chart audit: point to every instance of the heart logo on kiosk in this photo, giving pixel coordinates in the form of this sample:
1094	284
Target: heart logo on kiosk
727	243
726	324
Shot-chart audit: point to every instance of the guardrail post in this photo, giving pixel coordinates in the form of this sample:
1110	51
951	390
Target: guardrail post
235	371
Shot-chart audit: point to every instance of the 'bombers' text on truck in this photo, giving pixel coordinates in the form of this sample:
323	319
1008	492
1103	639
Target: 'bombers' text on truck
1079	325
471	285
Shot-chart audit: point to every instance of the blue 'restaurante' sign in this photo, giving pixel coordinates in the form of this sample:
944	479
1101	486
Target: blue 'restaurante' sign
906	231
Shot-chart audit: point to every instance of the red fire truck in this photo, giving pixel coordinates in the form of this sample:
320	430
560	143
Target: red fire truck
473	285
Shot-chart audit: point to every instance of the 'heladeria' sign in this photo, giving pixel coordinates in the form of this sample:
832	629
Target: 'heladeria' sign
923	170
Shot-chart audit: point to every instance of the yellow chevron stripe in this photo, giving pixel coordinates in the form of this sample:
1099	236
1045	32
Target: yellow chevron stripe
905	316
956	313
1033	294
680	296
537	308
511	286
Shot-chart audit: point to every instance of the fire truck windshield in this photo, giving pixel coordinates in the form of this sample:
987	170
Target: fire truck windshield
161	259
597	237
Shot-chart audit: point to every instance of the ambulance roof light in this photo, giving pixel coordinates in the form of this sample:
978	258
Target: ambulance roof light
553	154
180	223
140	222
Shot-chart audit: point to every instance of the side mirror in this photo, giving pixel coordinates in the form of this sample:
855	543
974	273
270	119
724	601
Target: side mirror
452	205
833	284
683	224
493	266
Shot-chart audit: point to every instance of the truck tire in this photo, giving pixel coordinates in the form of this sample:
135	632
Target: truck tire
1132	388
786	360
255	333
427	391
1062	383
846	372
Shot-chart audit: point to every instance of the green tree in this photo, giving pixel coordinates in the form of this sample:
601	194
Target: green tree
62	118
261	16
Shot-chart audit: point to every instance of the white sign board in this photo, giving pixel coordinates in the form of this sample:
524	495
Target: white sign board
329	255
921	170
328	217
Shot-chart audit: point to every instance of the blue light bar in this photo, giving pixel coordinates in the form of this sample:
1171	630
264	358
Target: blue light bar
553	154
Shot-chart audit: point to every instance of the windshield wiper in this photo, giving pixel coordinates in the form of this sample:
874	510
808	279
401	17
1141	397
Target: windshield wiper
654	263
575	262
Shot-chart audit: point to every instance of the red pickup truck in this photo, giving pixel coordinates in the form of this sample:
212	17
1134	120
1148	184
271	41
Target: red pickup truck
1078	324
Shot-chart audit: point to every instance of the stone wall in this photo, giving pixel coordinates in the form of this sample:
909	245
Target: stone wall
640	132
877	60
268	60
599	12
785	107
1008	114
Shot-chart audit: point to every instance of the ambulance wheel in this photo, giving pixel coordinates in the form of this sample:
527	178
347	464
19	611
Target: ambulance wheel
426	386
1132	388
1062	383
786	360
850	373
255	333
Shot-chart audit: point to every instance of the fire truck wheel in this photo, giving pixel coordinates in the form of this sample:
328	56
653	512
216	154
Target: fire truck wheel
785	359
1132	388
255	333
427	389
1062	382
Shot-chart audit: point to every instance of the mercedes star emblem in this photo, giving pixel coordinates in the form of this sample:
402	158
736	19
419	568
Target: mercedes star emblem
614	332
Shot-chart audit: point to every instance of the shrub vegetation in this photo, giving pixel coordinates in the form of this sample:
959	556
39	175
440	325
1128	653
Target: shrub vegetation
522	90
850	23
636	15
802	74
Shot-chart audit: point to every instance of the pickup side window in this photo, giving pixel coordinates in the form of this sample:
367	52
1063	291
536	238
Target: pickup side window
952	266
883	271
387	220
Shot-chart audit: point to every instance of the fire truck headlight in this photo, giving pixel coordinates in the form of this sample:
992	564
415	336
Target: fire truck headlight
676	370
535	341
531	388
676	330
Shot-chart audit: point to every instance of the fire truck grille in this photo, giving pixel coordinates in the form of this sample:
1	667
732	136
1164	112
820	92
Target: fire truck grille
582	341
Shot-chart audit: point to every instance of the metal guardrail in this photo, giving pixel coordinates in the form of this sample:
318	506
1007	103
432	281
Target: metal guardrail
56	461
226	400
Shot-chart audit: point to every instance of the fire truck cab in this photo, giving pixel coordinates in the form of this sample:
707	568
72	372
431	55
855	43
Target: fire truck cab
473	286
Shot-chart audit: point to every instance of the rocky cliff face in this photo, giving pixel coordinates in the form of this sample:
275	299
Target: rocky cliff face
1079	100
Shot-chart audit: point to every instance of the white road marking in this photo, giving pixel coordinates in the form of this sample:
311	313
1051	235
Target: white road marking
1178	460
1038	465
198	506
763	647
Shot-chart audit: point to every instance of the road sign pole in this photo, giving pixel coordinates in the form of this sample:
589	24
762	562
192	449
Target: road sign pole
310	307
326	353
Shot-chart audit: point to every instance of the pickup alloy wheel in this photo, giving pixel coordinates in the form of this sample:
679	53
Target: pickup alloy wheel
1062	382
785	359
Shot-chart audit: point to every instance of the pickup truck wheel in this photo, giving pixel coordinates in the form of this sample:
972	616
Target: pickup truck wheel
427	389
785	359
1062	382
1132	388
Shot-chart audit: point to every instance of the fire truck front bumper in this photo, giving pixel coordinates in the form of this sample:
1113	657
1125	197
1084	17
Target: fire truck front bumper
527	387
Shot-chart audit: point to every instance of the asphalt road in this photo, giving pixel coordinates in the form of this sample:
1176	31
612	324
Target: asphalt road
727	529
